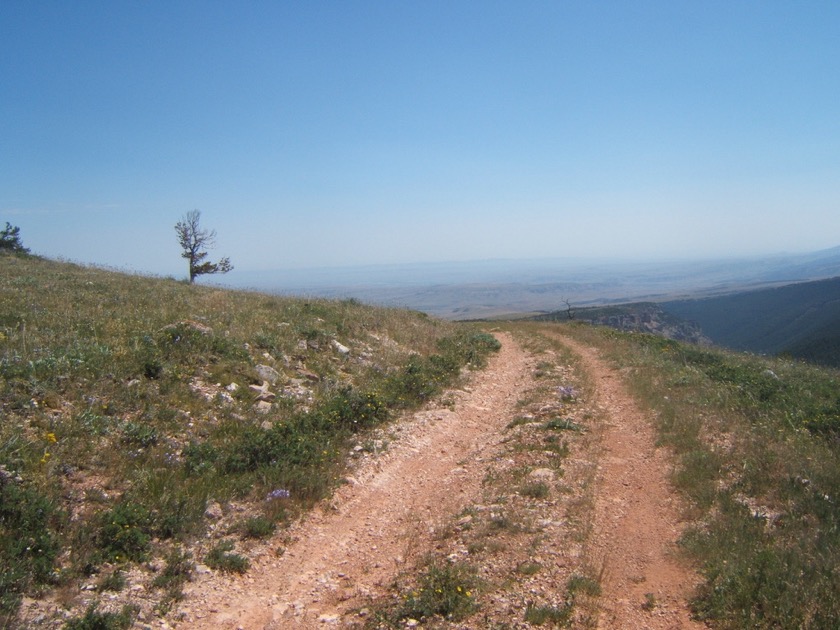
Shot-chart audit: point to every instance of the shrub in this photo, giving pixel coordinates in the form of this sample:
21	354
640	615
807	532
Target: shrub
139	434
535	490
220	558
179	567
123	534
114	581
95	620
443	590
257	527
355	410
556	615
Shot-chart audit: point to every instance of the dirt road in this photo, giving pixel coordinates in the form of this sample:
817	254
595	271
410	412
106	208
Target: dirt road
636	521
378	522
383	519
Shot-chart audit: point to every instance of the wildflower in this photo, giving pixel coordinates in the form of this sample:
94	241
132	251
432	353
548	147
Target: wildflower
279	493
566	392
50	437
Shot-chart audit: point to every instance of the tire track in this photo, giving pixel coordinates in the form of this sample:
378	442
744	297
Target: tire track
354	545
636	521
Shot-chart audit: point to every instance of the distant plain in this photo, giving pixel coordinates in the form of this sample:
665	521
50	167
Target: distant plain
496	288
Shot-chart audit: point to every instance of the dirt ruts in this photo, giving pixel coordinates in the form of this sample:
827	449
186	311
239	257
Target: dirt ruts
382	520
636	522
373	526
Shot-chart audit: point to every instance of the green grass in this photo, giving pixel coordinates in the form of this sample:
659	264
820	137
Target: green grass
128	408
542	614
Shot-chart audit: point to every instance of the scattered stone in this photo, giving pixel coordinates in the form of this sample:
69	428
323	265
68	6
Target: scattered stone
268	373
541	474
214	511
262	406
309	376
262	392
340	348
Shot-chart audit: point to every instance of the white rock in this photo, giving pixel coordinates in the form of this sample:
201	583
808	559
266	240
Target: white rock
268	373
541	474
340	348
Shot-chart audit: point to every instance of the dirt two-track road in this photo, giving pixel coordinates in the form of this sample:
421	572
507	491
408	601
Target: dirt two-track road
349	550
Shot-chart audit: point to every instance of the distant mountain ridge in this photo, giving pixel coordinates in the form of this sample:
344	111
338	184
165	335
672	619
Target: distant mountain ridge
801	319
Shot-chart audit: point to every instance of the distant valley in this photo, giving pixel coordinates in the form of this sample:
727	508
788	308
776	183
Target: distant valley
788	303
800	320
494	288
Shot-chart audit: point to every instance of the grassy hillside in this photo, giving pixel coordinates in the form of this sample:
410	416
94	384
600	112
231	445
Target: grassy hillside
138	413
800	319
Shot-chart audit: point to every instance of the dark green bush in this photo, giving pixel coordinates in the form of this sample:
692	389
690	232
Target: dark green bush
258	527
95	620
200	457
177	571
220	558
355	410
124	532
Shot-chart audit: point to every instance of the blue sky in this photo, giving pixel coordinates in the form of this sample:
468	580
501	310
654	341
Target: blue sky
342	133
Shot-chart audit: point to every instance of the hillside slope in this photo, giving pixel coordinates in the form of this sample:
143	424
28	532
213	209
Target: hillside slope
647	317
802	319
141	414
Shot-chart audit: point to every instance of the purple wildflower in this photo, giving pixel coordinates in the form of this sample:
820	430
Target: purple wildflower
567	392
279	493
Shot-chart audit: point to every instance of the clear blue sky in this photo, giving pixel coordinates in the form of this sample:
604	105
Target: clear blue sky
339	133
